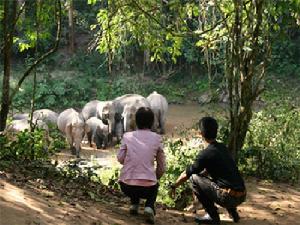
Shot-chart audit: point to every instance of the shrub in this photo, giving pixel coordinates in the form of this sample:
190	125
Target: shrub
272	147
25	145
179	154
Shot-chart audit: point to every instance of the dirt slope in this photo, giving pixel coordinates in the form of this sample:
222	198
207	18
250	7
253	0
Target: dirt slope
267	204
22	204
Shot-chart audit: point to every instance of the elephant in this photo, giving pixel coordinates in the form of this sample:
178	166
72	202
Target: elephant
159	106
71	123
129	111
20	116
119	129
97	131
104	110
46	115
20	125
90	109
121	101
126	107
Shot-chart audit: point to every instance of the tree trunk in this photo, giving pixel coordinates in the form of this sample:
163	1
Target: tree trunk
10	7
71	27
243	75
37	23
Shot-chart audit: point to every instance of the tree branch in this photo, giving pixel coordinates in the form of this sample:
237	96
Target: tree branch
44	56
14	23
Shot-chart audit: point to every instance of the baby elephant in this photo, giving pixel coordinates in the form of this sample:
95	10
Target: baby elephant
72	125
97	132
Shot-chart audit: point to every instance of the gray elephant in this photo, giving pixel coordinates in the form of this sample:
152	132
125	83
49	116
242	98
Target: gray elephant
71	123
97	132
126	107
129	111
90	109
46	115
159	106
20	116
20	125
123	100
119	129
106	112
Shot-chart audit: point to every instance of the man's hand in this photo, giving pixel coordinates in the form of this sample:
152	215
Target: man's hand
180	180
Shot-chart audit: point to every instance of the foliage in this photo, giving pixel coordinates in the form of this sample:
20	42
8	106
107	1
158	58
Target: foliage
25	145
57	139
272	147
179	153
285	58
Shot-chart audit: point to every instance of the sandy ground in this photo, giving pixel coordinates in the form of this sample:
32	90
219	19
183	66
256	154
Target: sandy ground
267	203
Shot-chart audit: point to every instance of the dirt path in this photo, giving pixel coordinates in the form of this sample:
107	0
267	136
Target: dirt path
267	203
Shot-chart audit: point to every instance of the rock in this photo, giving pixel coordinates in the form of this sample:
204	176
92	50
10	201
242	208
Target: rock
204	98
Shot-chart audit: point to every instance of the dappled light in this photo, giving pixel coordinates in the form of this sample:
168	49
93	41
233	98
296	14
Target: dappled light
105	103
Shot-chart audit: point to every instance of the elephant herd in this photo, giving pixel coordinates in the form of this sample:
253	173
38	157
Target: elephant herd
100	121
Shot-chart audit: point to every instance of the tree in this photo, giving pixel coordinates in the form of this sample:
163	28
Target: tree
9	23
10	8
71	26
238	29
247	52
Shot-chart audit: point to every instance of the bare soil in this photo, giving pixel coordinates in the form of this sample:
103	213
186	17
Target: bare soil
267	203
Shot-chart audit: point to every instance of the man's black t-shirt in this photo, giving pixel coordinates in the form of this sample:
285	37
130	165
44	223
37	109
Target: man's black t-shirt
218	162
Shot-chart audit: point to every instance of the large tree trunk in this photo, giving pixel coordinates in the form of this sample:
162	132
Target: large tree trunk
10	7
71	27
243	69
9	22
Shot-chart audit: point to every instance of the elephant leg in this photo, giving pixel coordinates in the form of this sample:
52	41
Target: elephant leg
78	152
70	141
89	137
97	141
105	141
162	124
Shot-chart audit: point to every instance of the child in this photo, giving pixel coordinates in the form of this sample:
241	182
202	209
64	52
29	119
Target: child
139	177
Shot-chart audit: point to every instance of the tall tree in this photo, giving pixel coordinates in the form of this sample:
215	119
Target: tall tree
238	29
247	53
10	8
71	26
9	22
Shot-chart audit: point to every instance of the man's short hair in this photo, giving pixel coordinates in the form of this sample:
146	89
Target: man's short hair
208	127
144	118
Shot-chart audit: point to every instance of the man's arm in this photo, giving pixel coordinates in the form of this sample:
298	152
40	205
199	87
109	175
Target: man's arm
180	180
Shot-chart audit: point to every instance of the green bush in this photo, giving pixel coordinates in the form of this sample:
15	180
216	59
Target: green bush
25	145
272	147
179	155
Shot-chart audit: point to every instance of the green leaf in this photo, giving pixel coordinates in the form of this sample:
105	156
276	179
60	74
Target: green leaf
92	2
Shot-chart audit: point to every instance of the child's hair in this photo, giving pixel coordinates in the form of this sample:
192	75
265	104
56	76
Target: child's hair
208	127
144	118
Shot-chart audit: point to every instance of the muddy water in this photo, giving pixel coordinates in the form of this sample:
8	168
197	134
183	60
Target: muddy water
179	117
